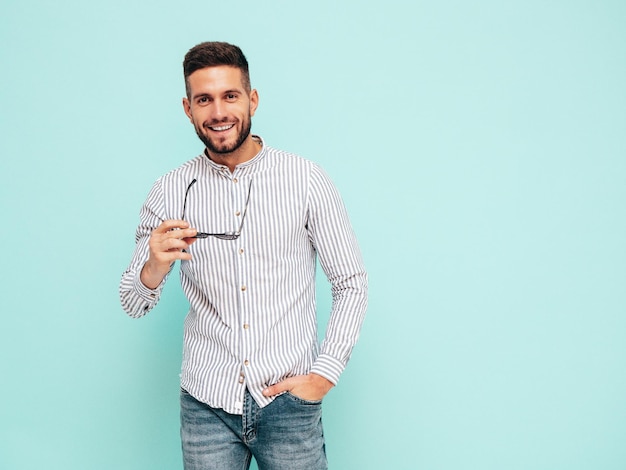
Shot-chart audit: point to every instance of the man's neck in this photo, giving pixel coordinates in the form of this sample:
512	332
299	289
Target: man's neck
246	151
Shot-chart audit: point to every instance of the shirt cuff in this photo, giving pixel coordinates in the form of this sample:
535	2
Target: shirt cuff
328	367
149	295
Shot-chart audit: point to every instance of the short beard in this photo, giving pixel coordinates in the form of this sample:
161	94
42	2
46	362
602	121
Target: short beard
241	138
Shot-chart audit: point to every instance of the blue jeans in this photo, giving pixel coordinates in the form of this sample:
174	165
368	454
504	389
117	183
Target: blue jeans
284	435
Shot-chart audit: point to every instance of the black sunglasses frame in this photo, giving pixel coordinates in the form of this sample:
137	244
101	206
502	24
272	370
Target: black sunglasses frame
225	235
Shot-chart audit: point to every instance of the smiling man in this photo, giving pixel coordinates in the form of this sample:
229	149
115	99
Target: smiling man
248	223
220	105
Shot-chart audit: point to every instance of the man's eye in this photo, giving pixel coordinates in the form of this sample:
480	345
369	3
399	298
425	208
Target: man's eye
231	97
203	100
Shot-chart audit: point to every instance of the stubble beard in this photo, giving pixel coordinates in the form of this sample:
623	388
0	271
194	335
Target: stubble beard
225	148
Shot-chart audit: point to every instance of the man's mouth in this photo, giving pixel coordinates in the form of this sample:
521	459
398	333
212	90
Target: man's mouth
221	128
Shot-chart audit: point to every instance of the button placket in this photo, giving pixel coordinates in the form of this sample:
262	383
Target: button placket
240	192
240	187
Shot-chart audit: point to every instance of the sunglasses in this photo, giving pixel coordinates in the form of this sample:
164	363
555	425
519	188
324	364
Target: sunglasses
222	236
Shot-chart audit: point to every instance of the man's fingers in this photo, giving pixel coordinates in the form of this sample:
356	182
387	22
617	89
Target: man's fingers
168	242
271	391
180	234
163	239
307	387
172	224
172	244
280	387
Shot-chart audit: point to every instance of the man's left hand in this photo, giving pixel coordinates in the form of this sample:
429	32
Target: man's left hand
310	387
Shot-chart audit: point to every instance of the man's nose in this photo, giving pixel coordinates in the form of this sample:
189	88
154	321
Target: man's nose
218	110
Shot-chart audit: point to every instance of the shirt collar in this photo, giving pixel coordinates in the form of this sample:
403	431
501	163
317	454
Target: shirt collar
248	167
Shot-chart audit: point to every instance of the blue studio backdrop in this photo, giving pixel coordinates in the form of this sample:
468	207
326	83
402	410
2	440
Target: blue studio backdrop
480	148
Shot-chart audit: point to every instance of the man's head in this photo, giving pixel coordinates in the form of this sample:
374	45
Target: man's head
212	54
220	101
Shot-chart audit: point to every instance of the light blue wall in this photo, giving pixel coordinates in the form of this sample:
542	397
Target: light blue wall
480	148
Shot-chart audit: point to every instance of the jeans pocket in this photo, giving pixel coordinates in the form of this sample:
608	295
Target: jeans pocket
297	399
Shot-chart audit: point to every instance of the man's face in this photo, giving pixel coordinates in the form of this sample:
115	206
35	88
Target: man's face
220	108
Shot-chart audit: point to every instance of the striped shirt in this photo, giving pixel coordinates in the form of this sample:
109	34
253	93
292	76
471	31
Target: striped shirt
252	313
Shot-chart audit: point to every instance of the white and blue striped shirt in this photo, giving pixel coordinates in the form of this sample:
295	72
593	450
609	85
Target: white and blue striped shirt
252	316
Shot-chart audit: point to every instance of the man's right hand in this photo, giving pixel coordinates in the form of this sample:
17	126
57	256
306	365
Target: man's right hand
167	244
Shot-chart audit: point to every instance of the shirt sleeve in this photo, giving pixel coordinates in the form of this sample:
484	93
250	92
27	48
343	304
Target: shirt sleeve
135	297
340	258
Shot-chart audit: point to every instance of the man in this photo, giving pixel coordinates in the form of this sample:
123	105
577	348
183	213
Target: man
247	222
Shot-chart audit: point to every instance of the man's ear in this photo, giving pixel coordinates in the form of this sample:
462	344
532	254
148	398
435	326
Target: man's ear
254	101
187	108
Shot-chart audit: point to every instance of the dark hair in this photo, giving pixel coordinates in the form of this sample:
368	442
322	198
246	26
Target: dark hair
212	54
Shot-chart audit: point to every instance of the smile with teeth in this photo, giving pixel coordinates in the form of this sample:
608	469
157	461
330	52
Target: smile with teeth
221	128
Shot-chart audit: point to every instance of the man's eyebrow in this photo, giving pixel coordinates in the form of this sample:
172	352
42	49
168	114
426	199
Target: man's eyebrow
238	91
201	95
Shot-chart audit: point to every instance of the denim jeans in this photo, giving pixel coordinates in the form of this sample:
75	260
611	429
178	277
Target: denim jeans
284	435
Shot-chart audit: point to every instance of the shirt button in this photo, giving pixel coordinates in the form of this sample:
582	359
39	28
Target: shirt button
243	288
246	362
246	326
240	251
235	180
238	213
